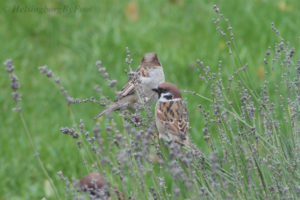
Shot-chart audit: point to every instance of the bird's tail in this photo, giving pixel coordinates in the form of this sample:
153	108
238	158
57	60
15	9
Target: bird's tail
108	110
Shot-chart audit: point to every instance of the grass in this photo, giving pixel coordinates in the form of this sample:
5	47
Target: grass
70	44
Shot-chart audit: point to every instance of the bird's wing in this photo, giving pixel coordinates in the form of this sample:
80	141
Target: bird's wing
173	116
128	89
122	103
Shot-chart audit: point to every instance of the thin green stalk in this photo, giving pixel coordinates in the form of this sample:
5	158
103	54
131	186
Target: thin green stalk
237	117
84	141
38	157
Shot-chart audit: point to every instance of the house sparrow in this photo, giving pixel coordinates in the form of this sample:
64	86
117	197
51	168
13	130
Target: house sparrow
149	74
171	114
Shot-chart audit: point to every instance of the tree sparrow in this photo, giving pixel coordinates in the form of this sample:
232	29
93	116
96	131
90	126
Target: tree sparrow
171	114
148	75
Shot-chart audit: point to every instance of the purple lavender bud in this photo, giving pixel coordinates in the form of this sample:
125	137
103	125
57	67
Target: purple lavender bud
65	130
223	33
206	138
16	96
70	100
15	85
60	173
292	53
57	80
217	10
98	63
112	83
10	68
43	69
13	78
102	69
14	82
49	74
8	62
105	75
79	144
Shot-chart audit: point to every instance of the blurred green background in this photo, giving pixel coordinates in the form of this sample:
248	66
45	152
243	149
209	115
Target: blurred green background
70	36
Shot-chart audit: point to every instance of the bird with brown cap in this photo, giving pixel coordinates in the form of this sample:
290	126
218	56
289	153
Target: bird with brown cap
171	114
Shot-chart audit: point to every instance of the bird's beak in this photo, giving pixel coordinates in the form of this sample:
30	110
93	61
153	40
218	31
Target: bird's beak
155	90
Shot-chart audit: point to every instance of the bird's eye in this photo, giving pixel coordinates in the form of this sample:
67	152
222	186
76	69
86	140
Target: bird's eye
162	90
168	97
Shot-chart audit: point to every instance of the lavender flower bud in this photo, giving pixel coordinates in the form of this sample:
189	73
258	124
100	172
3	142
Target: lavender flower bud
102	69
112	83
8	62
16	96
10	68
49	74
43	69
98	63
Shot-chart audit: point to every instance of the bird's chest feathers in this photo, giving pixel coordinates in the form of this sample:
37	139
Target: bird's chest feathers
169	110
156	76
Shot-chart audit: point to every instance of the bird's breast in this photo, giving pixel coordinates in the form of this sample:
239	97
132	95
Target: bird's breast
156	76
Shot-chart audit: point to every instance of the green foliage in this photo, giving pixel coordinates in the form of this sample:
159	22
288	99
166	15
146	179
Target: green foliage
180	32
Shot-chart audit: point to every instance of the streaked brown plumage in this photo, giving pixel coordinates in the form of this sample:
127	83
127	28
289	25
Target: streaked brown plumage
171	114
150	73
148	62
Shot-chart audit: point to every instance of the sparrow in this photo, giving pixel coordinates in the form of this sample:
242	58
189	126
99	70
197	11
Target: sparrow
149	74
171	114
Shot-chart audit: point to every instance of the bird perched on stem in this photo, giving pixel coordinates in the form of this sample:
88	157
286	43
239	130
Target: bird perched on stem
171	114
139	87
172	121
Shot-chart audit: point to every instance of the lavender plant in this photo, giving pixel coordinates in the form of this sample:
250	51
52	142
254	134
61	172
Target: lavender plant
254	149
17	97
252	135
